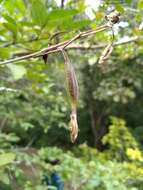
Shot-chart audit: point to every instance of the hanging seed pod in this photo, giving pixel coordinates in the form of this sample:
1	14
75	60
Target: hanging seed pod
72	86
106	53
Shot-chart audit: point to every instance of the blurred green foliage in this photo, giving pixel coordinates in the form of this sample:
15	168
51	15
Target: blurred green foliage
34	114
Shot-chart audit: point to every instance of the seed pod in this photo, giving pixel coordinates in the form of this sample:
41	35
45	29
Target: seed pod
113	17
72	86
106	53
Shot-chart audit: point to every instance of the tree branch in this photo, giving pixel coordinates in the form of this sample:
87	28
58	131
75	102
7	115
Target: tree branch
99	46
57	47
75	46
112	19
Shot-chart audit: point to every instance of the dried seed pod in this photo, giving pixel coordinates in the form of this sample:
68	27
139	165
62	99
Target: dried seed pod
72	86
106	53
113	17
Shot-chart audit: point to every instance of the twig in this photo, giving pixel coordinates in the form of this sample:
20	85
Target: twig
112	19
92	47
56	48
74	46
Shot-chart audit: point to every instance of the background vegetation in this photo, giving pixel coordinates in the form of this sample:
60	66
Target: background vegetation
34	107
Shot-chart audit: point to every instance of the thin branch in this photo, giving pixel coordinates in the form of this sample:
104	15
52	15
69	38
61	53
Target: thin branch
56	34
93	47
75	46
57	47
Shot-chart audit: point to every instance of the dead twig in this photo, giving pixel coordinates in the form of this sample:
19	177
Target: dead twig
56	47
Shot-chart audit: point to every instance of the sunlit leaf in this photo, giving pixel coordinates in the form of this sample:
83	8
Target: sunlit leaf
17	71
128	1
4	52
9	19
6	158
140	4
11	27
54	15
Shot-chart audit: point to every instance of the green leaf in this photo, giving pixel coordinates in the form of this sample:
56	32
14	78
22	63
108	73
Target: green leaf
140	4
9	19
15	7
61	14
64	21
11	27
119	8
39	12
76	24
17	71
128	1
5	179
6	158
4	53
20	6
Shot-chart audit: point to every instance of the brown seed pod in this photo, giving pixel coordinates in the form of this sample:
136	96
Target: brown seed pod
106	53
73	90
113	17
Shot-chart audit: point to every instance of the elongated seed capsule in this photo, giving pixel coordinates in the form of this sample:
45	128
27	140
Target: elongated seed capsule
72	83
73	91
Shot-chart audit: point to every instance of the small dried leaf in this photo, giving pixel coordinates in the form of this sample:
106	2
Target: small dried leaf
45	57
105	54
